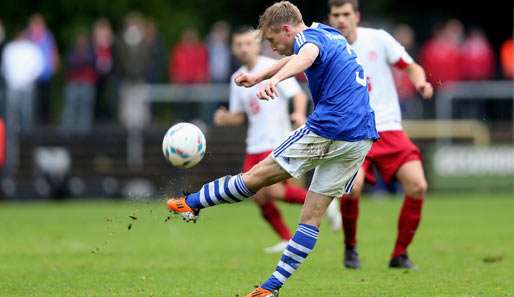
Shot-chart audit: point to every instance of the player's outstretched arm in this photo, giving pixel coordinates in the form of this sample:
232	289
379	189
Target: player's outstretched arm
270	72
297	64
417	76
249	80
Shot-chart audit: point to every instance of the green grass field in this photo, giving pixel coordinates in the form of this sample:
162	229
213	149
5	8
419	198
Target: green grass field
465	247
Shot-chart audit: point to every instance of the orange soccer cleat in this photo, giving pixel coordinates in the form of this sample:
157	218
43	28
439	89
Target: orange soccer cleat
260	292
179	206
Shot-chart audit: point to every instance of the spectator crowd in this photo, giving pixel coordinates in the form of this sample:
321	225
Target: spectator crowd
106	73
450	55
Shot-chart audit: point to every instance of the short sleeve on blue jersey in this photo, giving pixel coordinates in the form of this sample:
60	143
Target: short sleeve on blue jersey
308	36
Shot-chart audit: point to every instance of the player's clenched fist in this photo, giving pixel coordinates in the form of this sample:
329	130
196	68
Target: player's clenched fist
425	90
243	79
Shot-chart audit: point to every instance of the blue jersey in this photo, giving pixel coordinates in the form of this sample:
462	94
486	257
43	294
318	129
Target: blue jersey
338	87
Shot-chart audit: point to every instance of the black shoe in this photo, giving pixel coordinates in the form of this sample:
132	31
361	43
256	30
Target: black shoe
402	261
351	258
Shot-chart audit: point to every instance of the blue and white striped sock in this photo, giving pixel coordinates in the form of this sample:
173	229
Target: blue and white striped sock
228	189
297	250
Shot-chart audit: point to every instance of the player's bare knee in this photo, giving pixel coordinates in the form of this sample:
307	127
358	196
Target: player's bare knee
417	188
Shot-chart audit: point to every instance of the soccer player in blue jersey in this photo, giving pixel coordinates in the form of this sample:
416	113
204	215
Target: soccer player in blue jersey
334	141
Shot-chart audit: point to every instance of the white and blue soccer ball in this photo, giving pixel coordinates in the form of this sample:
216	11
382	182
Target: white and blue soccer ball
184	145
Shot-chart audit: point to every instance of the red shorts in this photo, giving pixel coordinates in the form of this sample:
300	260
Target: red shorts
252	160
388	154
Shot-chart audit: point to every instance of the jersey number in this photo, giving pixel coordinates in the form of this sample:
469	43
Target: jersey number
255	108
360	78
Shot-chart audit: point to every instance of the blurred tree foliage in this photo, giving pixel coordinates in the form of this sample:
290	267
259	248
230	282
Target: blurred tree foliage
66	17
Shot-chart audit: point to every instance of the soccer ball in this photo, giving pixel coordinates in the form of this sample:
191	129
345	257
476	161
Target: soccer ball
184	145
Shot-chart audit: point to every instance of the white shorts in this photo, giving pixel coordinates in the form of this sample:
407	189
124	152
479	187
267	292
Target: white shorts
336	163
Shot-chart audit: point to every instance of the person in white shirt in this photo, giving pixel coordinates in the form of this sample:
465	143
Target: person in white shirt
22	63
269	123
394	155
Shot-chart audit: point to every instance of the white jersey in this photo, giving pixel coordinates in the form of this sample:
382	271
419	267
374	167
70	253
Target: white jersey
378	51
268	121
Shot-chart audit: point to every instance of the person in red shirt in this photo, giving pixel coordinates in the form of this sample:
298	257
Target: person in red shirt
189	60
440	56
477	57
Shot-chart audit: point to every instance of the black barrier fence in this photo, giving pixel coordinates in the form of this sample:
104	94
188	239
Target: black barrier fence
57	165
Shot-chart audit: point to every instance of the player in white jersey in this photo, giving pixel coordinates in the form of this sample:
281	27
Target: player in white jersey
394	155
269	123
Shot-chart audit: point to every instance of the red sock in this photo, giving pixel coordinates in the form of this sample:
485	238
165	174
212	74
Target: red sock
350	213
294	194
272	215
408	222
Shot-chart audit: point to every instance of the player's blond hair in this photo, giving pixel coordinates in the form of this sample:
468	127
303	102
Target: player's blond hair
283	12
